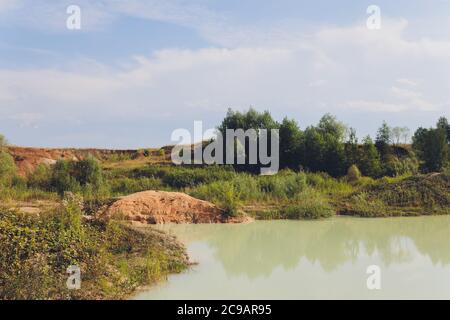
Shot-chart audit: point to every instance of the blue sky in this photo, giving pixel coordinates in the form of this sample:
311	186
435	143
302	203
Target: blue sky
137	70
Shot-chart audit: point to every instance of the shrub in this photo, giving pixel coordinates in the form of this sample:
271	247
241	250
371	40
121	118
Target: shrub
7	169
223	194
282	186
363	206
403	166
40	178
309	204
62	179
114	259
123	186
85	176
353	174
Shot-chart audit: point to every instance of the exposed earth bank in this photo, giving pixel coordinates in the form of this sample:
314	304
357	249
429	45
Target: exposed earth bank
158	207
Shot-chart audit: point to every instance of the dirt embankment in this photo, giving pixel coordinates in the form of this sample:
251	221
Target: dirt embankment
157	207
27	159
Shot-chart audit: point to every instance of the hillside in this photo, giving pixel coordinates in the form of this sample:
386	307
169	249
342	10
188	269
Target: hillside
27	158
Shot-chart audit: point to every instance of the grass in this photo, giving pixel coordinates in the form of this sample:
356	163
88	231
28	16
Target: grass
288	192
114	258
401	196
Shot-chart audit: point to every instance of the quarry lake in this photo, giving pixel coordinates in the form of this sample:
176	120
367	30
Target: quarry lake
325	259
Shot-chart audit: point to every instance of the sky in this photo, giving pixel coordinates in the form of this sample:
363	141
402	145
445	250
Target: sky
137	70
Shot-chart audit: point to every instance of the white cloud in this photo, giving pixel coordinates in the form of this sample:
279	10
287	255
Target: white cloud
6	5
333	70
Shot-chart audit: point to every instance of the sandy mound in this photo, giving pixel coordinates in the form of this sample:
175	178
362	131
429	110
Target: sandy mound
155	207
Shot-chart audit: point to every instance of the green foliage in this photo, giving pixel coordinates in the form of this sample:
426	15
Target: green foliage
124	186
85	176
7	169
432	148
402	166
114	259
413	195
309	204
370	163
179	177
249	188
365	207
353	174
328	185
290	138
384	139
250	119
322	147
444	125
351	149
88	171
40	178
62	179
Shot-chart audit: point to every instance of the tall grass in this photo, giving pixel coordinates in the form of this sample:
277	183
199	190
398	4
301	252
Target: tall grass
114	259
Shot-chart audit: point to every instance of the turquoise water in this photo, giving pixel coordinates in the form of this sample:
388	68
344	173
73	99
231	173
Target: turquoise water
312	260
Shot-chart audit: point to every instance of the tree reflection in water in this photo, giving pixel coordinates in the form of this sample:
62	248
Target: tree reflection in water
256	249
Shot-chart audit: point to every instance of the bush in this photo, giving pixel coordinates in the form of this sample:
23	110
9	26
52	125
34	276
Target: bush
353	174
223	194
114	259
402	167
40	177
62	179
124	186
363	206
85	176
7	169
309	204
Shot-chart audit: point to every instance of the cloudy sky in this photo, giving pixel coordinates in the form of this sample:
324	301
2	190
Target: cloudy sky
137	70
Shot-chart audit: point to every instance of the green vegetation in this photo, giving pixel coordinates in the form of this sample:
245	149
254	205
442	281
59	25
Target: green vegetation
414	195
332	147
114	259
432	146
325	171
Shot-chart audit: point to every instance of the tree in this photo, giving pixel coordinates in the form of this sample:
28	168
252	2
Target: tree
351	148
405	134
250	119
370	163
88	171
7	168
444	125
383	140
312	150
432	147
290	138
329	125
396	133
62	179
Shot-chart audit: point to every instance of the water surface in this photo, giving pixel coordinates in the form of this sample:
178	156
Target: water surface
312	260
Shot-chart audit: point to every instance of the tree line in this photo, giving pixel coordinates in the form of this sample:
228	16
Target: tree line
333	147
